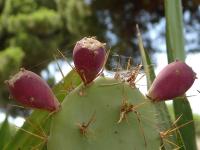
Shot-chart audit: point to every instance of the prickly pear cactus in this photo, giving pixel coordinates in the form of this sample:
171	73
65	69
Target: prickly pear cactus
107	114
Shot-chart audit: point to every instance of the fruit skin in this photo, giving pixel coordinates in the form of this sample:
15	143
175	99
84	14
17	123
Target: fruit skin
32	91
89	57
173	81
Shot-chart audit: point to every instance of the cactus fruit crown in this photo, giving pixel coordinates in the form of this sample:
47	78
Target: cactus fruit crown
90	44
14	78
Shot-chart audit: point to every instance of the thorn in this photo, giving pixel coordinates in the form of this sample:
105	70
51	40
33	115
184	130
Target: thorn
37	127
170	142
178	127
65	59
83	127
128	64
132	77
59	67
167	133
33	134
107	55
138	30
139	78
37	147
18	106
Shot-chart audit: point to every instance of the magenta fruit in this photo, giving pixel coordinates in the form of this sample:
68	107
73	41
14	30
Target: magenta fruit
32	91
173	81
89	57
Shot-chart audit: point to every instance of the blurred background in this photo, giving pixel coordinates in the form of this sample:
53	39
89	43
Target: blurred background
31	32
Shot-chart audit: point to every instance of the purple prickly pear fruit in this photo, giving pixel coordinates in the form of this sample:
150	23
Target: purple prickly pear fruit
173	81
31	90
89	56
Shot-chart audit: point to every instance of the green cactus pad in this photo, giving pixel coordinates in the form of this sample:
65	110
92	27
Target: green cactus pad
90	119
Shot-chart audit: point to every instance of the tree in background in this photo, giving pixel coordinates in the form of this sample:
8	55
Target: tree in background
114	22
29	34
32	30
117	19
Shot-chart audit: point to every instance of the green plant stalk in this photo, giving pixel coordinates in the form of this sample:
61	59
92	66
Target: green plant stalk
5	133
160	107
175	50
146	61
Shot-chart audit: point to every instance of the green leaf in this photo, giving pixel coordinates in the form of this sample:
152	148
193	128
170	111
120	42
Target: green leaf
34	132
146	61
161	108
174	30
5	133
175	50
182	107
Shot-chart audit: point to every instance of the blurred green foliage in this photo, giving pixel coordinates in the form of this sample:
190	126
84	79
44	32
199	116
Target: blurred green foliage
30	32
10	59
34	28
80	19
